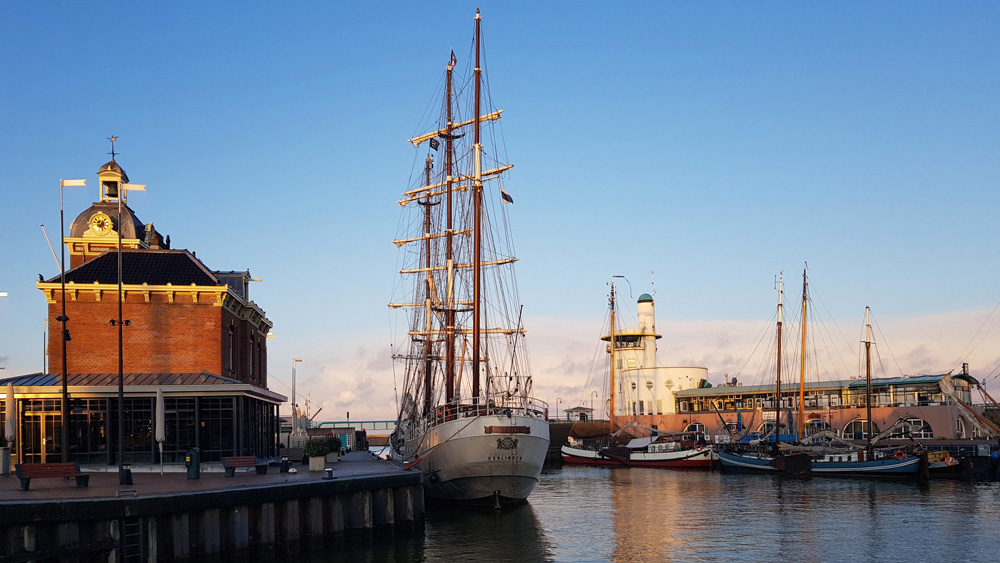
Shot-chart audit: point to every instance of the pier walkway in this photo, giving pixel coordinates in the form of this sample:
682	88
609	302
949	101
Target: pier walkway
147	480
169	517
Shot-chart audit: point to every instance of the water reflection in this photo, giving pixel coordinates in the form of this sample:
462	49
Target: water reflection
583	514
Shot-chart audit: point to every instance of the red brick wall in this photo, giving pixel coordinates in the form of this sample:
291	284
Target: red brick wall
177	337
163	337
246	335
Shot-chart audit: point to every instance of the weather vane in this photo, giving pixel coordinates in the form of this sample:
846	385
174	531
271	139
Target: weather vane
113	138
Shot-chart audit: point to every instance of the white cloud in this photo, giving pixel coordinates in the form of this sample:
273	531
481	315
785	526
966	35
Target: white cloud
359	378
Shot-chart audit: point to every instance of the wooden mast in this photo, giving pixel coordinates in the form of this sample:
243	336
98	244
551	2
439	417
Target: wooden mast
868	381
477	188
428	288
802	373
449	152
777	401
611	377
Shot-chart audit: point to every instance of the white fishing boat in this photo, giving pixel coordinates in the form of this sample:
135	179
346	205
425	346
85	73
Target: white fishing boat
652	447
466	420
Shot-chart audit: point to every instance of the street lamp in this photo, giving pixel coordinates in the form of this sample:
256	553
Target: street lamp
593	395
124	477
558	400
64	441
295	410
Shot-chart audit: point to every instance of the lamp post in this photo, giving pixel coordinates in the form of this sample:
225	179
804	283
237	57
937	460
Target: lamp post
558	400
295	410
124	477
593	395
64	433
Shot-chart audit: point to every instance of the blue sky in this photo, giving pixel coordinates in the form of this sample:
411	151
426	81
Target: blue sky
714	143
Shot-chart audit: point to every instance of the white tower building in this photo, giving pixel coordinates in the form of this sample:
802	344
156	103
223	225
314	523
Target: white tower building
641	387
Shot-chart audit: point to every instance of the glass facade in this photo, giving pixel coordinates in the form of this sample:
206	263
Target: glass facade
220	426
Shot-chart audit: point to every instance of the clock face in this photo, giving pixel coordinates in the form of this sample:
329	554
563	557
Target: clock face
100	224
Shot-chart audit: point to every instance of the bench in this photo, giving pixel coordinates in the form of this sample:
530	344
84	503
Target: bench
231	463
28	471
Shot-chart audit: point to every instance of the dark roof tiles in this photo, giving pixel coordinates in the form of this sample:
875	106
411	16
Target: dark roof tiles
153	267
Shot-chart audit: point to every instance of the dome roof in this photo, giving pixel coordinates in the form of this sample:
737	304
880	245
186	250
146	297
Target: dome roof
645	298
113	166
132	227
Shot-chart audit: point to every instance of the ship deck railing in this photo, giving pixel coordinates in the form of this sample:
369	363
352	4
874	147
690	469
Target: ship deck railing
466	408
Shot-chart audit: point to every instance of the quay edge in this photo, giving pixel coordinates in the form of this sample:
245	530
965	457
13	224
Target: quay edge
215	525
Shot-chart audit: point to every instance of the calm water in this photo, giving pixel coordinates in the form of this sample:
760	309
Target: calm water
581	514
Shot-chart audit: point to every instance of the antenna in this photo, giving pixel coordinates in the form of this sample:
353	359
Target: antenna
652	281
50	248
113	138
628	282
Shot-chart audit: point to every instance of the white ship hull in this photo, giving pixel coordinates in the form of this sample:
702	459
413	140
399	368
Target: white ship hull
486	458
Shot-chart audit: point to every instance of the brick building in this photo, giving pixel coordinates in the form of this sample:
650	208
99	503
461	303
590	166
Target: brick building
187	330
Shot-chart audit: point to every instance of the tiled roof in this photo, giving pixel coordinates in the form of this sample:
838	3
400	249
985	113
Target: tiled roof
155	267
107	379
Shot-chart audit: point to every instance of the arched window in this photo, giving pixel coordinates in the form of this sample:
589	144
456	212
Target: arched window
857	429
695	427
959	428
816	425
918	427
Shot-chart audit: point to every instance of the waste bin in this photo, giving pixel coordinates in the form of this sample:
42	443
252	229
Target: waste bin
284	464
192	461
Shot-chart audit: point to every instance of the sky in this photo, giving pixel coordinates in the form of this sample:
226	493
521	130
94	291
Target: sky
696	148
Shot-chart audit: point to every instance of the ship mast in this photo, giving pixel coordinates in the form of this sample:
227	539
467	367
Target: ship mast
777	402
428	289
449	152
868	381
611	378
802	373
477	188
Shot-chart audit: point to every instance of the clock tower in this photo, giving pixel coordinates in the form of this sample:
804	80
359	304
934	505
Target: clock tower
95	231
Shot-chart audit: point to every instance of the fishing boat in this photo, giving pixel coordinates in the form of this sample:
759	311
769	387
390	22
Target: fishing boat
766	456
675	450
467	420
823	453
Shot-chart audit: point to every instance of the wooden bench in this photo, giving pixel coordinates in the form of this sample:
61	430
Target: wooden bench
28	471
231	463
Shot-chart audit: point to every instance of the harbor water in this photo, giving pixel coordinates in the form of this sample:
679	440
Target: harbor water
585	514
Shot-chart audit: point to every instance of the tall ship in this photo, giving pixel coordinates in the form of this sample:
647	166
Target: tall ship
467	419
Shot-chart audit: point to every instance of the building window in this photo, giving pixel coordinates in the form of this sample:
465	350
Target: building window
253	360
917	427
858	429
232	349
695	427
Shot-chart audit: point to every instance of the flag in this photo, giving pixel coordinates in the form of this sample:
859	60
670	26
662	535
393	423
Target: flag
435	144
453	60
504	196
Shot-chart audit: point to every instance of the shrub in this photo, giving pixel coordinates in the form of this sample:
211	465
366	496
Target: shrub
316	447
335	443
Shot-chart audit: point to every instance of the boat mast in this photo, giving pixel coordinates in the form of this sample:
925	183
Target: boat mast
449	152
802	376
611	378
777	402
477	189
428	287
868	381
